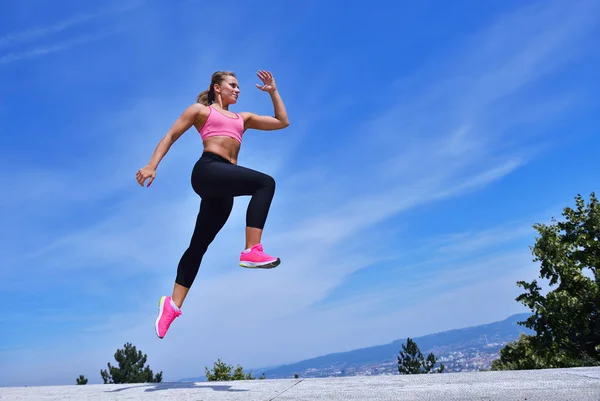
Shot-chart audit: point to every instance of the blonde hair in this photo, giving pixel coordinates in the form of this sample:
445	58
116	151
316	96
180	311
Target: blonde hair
207	97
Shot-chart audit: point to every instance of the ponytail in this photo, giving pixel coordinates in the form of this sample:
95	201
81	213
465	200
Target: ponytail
207	97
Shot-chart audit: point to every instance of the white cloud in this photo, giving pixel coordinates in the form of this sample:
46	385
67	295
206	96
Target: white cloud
435	161
266	311
42	31
448	140
56	47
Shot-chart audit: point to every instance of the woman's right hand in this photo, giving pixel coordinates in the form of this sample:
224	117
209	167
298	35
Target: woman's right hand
145	173
268	81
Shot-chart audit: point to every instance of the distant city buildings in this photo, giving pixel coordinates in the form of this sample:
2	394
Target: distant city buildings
466	360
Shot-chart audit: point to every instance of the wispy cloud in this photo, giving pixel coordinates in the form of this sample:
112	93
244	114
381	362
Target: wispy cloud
39	32
282	301
45	33
449	133
53	48
443	146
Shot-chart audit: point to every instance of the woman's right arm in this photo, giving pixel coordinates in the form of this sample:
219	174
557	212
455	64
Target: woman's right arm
181	125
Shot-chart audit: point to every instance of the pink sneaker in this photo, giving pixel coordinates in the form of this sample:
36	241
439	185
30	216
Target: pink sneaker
166	314
256	258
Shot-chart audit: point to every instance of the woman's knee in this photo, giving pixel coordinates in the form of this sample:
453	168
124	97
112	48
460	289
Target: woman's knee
268	182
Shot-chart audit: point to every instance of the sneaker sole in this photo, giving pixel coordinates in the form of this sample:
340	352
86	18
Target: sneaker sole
160	311
259	265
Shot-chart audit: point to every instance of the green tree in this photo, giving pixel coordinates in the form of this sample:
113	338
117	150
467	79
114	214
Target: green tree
566	320
223	372
82	380
238	374
411	360
130	368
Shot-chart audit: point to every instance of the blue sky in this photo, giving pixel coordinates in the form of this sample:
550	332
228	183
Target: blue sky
425	140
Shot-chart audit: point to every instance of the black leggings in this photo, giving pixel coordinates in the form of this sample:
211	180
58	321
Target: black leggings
217	181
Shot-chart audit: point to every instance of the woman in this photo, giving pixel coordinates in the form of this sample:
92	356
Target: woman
217	179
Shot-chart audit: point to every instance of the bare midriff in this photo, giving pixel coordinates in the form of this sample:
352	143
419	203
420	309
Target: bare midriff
224	146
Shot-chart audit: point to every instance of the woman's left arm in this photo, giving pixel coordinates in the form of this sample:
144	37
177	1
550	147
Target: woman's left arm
268	123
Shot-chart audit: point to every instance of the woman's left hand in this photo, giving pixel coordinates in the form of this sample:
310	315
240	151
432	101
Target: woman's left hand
268	81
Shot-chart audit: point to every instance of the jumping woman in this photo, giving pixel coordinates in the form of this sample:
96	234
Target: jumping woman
217	179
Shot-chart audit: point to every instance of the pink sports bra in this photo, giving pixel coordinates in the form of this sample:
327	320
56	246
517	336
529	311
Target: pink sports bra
218	123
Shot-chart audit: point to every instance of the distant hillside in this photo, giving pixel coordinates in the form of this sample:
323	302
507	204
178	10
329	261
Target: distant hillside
492	335
470	348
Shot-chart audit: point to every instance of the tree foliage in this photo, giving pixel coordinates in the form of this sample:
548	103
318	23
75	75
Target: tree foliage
565	320
82	380
223	372
130	368
411	360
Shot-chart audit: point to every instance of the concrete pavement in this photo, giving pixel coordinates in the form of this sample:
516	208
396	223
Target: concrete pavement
577	384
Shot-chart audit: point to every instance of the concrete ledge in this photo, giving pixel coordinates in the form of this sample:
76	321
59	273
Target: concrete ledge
577	384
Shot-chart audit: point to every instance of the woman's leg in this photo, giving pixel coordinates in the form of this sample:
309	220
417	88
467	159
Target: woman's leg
212	216
220	179
217	181
226	179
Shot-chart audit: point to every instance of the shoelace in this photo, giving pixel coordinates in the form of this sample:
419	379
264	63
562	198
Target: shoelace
262	254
